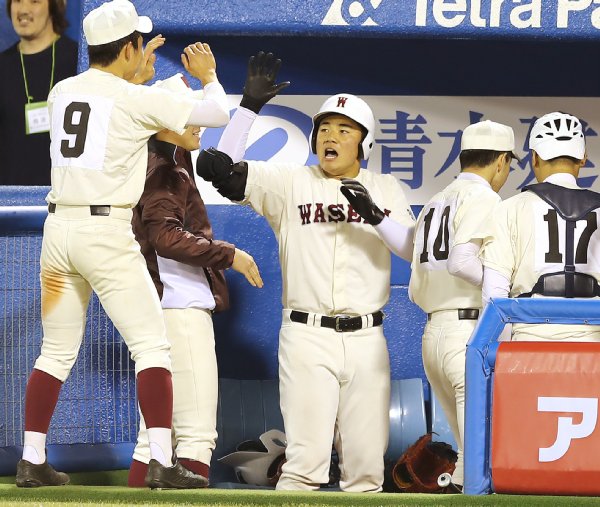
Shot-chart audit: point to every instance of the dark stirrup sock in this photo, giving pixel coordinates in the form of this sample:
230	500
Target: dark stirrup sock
155	395
41	396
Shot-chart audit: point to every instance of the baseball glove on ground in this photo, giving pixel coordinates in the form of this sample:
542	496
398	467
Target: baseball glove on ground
418	469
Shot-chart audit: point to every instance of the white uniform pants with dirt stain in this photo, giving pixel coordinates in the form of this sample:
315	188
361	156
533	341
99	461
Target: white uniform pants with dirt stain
81	253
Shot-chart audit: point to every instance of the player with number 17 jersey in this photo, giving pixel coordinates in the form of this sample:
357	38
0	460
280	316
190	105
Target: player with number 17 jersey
529	241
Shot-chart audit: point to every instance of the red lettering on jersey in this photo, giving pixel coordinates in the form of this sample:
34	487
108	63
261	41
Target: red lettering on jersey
319	213
342	101
305	213
336	212
353	216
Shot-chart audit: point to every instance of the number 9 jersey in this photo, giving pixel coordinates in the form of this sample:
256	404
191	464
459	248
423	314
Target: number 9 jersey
100	125
454	216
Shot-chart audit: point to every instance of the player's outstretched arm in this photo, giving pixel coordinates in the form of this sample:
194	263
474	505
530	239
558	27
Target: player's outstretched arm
244	263
259	88
396	236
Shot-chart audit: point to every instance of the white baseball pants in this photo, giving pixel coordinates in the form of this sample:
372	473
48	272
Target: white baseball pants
195	386
444	351
333	386
81	253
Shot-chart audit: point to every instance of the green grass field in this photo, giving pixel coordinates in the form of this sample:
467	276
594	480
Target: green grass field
108	496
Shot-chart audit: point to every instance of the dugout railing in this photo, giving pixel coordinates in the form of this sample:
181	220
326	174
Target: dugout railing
481	359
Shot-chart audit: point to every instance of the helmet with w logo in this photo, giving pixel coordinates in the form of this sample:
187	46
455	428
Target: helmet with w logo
354	108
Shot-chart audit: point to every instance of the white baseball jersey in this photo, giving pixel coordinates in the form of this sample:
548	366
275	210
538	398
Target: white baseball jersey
454	216
100	127
529	241
331	261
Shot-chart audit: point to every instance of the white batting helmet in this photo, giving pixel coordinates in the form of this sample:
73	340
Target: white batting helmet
557	135
253	459
354	108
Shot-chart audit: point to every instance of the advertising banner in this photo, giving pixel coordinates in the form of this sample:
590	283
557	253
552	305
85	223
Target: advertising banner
417	139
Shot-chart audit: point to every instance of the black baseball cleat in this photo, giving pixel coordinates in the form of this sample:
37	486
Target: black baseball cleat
173	477
30	475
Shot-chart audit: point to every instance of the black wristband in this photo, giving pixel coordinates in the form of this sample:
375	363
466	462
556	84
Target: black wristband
251	103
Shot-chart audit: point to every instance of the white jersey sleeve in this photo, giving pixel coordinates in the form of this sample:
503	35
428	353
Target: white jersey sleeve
212	110
397	237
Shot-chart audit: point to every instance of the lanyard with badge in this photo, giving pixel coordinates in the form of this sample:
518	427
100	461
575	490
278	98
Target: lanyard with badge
37	117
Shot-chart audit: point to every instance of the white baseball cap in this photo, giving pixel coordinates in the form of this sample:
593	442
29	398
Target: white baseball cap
489	135
557	135
113	21
178	84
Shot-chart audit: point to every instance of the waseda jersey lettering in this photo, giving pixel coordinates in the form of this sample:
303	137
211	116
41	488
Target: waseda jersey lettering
320	213
316	227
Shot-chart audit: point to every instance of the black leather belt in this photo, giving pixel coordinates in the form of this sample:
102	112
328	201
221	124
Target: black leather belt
464	314
340	324
103	211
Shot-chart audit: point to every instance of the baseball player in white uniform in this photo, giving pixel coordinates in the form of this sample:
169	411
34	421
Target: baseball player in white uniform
334	371
534	251
100	124
446	271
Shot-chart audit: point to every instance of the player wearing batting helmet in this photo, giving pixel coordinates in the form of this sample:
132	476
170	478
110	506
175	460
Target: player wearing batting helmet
446	270
334	373
545	241
100	124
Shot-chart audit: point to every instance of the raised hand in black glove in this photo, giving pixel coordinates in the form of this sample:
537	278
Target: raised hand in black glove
260	84
358	196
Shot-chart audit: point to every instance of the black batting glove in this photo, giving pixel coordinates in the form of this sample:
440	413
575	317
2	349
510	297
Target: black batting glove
358	196
260	84
213	165
228	178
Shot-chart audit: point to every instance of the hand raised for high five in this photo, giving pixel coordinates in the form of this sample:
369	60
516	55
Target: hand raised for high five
199	61
260	84
146	70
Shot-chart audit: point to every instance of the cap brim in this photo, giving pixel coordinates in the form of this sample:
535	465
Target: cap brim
144	24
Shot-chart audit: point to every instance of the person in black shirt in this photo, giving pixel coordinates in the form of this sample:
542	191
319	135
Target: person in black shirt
42	57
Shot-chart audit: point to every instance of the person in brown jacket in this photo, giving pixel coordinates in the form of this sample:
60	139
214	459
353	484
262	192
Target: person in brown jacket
186	264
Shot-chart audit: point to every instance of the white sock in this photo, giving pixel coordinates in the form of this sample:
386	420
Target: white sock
160	445
34	447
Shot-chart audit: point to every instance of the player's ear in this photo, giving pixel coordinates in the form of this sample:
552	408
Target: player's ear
534	158
127	51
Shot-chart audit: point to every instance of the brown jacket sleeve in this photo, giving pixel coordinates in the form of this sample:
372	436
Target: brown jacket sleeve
166	204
